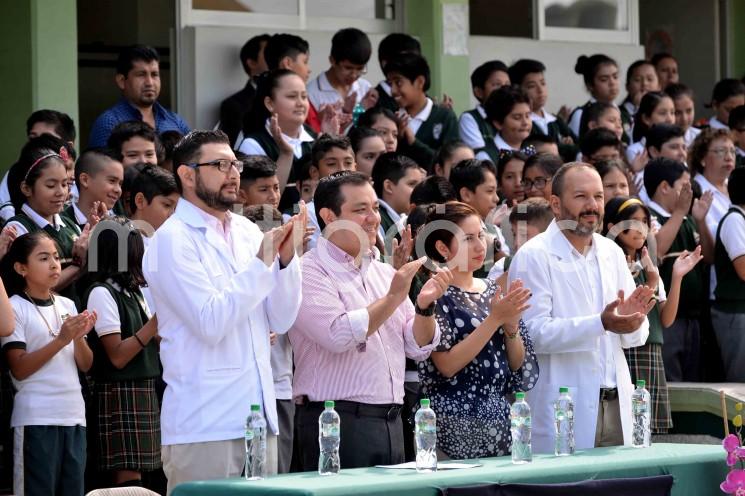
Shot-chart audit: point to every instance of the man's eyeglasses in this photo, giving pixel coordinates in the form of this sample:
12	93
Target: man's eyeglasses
223	165
539	183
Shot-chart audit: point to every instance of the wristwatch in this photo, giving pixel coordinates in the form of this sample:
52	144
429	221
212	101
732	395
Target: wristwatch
425	312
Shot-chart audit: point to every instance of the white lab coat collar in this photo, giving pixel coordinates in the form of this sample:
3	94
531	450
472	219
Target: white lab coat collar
191	215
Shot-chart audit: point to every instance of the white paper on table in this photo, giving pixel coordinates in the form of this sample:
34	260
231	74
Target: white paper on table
440	465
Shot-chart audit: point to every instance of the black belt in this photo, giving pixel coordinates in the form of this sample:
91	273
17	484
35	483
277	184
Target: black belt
608	394
389	412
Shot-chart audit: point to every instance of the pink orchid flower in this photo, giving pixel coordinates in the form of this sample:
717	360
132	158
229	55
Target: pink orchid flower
735	482
732	446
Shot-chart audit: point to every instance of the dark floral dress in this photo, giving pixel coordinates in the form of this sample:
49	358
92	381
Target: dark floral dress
472	407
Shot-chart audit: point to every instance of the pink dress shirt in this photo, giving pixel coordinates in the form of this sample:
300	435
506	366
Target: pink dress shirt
334	360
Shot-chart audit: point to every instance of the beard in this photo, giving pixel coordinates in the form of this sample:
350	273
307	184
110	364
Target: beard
213	199
580	229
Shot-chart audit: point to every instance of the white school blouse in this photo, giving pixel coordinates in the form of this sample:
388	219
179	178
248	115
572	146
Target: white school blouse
51	395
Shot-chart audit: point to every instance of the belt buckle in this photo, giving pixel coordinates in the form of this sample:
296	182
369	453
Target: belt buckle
392	413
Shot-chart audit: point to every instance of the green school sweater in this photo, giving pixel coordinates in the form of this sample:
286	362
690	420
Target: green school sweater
693	286
440	128
146	364
558	130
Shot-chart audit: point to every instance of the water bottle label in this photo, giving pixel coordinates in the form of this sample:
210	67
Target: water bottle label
429	428
249	434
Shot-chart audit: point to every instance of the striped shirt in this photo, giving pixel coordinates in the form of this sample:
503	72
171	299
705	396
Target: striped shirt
334	360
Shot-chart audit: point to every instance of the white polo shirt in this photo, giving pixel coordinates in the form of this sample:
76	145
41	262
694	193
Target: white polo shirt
320	91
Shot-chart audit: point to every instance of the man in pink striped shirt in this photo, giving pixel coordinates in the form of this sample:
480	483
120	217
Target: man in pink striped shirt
355	328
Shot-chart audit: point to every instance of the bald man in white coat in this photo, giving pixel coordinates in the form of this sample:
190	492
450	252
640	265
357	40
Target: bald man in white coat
585	309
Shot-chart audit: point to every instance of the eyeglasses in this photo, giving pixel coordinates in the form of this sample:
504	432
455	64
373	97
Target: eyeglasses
223	165
723	152
539	183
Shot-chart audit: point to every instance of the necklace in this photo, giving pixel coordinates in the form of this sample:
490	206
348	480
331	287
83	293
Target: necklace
56	313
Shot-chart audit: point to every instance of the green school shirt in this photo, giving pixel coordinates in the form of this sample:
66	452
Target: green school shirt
440	128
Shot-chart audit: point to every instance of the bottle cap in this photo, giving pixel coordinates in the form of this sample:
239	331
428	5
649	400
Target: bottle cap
424	403
328	404
563	389
641	383
519	396
255	408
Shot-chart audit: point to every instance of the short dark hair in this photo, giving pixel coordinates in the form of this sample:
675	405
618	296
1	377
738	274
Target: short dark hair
391	166
434	189
447	150
396	43
736	186
604	167
352	45
597	138
500	102
659	57
482	73
592	113
91	161
125	131
129	55
63	123
359	134
283	45
252	49
726	88
152	181
189	149
557	185
326	142
659	134
522	68
410	66
470	173
106	248
662	169
538	139
535	211
589	66
736	120
328	192
257	167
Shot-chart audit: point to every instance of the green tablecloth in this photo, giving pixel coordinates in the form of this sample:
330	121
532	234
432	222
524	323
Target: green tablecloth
698	470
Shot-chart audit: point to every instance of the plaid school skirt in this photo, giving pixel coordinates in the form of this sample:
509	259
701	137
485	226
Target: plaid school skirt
645	362
128	425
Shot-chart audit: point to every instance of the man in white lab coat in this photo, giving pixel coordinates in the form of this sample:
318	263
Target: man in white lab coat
219	285
585	309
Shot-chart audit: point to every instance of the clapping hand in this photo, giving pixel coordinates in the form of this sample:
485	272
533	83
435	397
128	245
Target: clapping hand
77	326
702	205
7	236
293	242
98	212
402	251
284	147
401	282
686	261
623	316
509	307
370	99
434	288
683	202
80	245
650	269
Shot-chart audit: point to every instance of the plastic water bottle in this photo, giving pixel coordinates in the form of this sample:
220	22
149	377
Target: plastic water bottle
255	468
564	418
425	432
520	422
641	436
357	111
329	436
